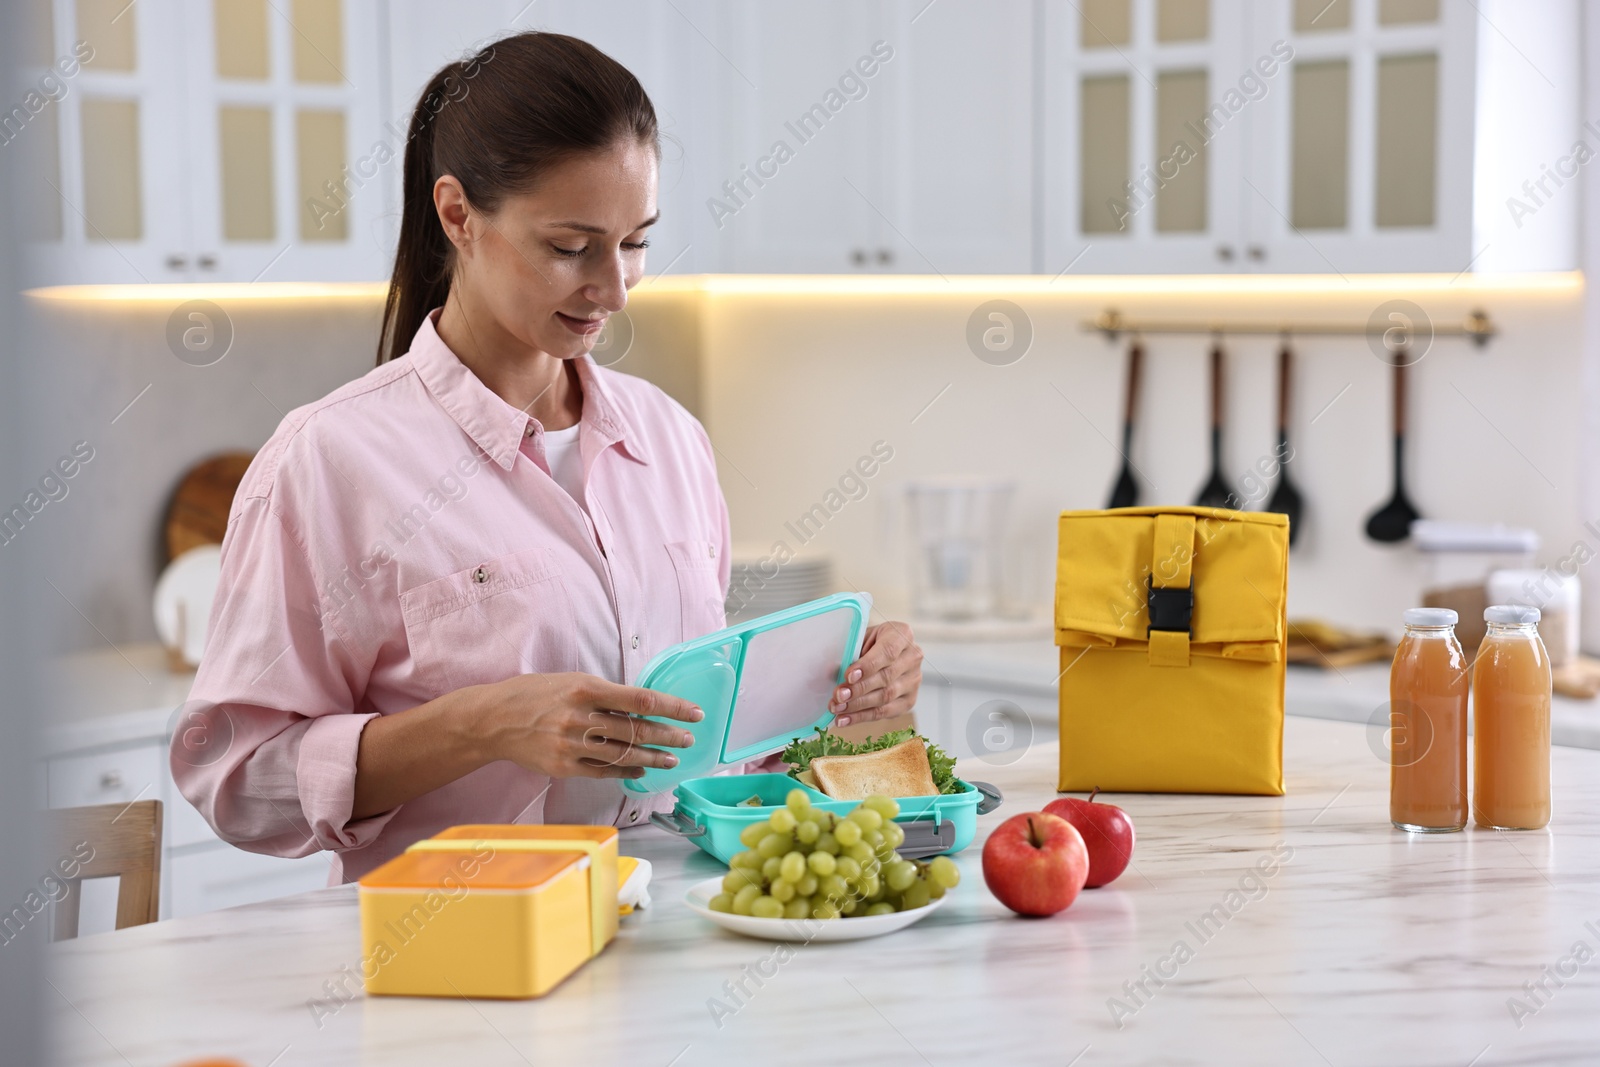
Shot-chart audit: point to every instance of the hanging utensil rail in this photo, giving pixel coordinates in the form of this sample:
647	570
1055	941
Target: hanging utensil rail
1477	326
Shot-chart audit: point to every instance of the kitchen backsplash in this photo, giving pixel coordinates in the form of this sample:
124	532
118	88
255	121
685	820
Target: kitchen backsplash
796	379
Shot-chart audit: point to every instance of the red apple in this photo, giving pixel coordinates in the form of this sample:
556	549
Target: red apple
1107	833
1035	863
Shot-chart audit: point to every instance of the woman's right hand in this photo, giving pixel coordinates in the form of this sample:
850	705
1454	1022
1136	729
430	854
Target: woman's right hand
580	726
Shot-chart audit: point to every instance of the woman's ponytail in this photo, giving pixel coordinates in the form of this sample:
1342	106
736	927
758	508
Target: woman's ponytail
496	121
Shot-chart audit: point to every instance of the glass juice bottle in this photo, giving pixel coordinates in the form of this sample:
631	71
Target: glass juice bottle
1511	723
1428	725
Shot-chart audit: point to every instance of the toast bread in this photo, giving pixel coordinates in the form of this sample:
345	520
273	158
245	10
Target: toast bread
899	771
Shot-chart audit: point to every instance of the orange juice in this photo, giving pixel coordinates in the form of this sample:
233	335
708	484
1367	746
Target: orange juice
1428	725
1511	723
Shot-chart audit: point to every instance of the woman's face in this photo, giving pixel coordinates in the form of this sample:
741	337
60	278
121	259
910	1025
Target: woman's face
551	265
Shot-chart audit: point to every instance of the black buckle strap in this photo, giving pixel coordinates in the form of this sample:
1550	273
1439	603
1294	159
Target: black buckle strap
1171	609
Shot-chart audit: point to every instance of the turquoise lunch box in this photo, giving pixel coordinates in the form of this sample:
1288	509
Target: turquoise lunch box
779	672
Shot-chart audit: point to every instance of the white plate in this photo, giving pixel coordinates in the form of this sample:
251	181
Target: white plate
845	929
183	600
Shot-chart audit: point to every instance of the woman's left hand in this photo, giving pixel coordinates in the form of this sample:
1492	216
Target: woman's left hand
884	681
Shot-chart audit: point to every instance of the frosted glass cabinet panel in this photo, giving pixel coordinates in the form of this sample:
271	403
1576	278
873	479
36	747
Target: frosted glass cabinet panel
204	140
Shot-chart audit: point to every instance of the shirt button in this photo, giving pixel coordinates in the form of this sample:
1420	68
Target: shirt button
480	575
635	640
711	550
529	431
633	816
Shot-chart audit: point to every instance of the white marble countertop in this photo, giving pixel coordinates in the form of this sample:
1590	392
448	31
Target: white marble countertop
1349	694
1365	946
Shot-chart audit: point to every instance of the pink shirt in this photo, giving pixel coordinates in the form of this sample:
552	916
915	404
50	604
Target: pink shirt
401	538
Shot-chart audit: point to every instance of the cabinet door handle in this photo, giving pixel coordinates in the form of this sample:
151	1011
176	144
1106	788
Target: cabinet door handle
1256	252
858	256
177	262
885	257
207	261
1225	253
111	780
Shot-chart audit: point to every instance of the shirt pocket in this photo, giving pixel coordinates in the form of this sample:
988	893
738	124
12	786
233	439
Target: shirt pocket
701	603
494	620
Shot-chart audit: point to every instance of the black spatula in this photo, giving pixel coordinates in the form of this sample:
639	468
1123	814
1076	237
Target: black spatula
1216	493
1285	498
1392	522
1125	494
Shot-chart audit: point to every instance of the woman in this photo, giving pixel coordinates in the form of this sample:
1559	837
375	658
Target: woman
437	579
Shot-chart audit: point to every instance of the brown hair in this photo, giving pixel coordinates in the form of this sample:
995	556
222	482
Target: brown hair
498	120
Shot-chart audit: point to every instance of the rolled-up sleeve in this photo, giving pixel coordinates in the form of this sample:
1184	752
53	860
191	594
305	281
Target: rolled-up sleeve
266	747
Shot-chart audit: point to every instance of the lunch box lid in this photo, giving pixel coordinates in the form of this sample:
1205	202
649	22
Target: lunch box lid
777	671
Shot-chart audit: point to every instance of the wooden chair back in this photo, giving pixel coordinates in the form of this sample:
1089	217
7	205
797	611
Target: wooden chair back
125	840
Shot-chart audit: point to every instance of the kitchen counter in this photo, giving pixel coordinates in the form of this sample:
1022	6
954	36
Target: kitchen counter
1362	945
1029	669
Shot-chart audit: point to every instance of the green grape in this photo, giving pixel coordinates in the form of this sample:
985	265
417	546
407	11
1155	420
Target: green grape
770	868
808	831
880	908
807	885
821	862
884	806
743	898
782	821
798	908
782	890
899	875
829	844
824	910
862	853
721	902
745	859
935	890
847	868
915	896
874	838
848	833
944	872
832	887
736	880
774	845
871	886
850	905
792	867
751	835
893	835
764	907
866	818
798	803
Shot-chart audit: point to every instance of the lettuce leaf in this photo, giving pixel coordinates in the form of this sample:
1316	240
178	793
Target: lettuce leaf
801	752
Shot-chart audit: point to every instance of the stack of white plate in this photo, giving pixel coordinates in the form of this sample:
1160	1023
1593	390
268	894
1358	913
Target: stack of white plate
761	584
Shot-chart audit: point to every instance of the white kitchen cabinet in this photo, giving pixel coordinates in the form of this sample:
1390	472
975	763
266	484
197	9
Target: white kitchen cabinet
225	877
1259	135
209	140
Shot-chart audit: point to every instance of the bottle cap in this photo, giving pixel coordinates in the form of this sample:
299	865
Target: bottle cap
1511	614
1431	617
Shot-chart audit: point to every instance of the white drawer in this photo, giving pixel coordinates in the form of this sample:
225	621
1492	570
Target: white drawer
120	776
225	877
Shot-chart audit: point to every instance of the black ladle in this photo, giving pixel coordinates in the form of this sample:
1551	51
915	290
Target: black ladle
1216	493
1392	522
1285	498
1125	494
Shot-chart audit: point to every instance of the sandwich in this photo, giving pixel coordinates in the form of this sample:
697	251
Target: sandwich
897	764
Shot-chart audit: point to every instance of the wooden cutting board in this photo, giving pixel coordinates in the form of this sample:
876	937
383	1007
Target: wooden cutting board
198	512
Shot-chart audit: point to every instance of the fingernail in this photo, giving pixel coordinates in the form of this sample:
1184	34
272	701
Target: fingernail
687	739
844	694
672	761
696	715
844	720
854	676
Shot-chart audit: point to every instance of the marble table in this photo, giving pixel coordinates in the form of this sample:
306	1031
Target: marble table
1360	945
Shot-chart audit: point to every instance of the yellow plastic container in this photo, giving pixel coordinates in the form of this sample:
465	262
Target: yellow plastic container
489	911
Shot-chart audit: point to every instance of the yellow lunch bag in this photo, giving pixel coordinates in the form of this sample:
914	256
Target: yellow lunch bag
1171	626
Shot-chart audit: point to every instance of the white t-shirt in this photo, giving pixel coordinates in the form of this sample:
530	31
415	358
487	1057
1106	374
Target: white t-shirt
566	465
